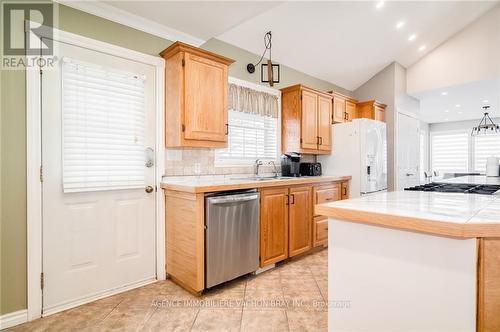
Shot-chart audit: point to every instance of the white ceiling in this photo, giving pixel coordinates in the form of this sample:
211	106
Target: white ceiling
202	19
345	43
441	105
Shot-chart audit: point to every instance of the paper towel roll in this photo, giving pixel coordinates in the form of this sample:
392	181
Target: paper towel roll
492	168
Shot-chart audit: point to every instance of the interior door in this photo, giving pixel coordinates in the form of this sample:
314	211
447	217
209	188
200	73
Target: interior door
273	225
324	123
98	222
408	147
201	124
309	132
300	220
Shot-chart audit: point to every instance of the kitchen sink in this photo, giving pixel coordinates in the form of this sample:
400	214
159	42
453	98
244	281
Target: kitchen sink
257	178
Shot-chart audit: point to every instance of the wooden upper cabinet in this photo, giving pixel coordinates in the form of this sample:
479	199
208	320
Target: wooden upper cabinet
300	220
196	85
338	109
344	108
350	110
273	225
309	124
324	125
306	120
371	109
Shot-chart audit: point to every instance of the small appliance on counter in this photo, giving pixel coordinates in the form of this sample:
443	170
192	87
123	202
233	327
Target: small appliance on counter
492	167
290	164
310	169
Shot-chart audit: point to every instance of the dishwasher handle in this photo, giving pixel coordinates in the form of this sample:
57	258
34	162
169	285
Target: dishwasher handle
233	198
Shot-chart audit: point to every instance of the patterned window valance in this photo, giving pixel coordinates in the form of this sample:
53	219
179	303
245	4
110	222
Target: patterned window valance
247	100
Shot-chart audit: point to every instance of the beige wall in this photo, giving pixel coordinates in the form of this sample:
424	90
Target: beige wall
471	55
13	133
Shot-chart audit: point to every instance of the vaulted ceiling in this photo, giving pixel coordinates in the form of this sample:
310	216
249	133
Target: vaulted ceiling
345	43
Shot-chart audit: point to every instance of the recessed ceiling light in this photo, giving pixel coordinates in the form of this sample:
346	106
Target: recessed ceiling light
412	37
422	48
444	93
380	4
457	105
446	111
400	24
485	101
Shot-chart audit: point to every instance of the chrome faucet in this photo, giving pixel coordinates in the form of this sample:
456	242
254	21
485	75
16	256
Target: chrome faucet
256	166
275	168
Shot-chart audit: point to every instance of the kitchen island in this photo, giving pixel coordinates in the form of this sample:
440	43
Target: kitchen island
420	261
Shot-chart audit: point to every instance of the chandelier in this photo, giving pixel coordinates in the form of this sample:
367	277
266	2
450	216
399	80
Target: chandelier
486	126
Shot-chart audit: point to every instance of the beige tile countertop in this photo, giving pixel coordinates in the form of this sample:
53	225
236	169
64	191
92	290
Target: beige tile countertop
447	214
201	184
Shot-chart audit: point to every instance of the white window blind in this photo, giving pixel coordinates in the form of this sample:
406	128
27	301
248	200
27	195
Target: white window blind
251	137
450	152
103	128
484	147
423	154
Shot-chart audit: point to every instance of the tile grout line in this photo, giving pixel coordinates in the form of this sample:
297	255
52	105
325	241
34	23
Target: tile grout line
194	320
284	299
243	305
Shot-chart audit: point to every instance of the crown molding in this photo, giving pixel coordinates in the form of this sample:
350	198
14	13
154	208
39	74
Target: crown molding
117	15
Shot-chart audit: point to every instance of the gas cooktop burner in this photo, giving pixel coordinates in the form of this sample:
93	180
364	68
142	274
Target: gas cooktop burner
483	189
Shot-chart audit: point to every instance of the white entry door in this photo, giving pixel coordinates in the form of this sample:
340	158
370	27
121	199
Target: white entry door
98	134
408	146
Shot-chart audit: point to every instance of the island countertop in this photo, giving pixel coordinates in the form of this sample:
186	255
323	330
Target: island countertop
447	214
204	184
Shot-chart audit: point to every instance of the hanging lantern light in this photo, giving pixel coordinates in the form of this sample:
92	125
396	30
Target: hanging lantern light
486	125
269	69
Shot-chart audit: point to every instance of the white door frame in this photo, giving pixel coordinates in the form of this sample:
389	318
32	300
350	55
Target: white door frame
34	161
400	112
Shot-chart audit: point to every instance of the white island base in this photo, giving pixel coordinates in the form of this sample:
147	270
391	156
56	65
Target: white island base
382	279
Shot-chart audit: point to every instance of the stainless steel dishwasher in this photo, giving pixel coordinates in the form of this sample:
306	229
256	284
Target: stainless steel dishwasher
231	234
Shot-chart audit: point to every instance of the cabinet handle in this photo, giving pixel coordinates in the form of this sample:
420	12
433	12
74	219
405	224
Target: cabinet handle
227	129
320	140
293	199
287	200
317	140
345	191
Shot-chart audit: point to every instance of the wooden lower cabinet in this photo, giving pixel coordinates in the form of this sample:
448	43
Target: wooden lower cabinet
299	220
488	282
273	225
320	231
288	226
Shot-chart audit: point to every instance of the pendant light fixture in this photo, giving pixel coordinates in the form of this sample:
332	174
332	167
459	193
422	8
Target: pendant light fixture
272	70
486	126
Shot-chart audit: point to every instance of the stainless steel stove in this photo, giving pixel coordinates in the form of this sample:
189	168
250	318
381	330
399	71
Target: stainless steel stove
482	189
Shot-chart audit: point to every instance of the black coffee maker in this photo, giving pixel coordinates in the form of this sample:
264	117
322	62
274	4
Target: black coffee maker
290	164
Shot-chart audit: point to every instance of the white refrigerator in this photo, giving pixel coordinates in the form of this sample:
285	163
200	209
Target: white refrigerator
359	150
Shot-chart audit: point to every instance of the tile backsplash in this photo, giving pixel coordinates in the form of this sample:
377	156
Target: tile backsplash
201	161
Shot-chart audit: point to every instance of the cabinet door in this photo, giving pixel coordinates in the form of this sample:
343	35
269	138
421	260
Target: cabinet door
350	110
326	193
324	123
338	109
273	225
345	190
379	113
320	231
309	133
205	98
300	220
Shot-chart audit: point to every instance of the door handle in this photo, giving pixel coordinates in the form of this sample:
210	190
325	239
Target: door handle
409	174
149	189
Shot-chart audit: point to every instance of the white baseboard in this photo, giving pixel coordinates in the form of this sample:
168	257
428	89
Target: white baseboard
94	297
13	319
